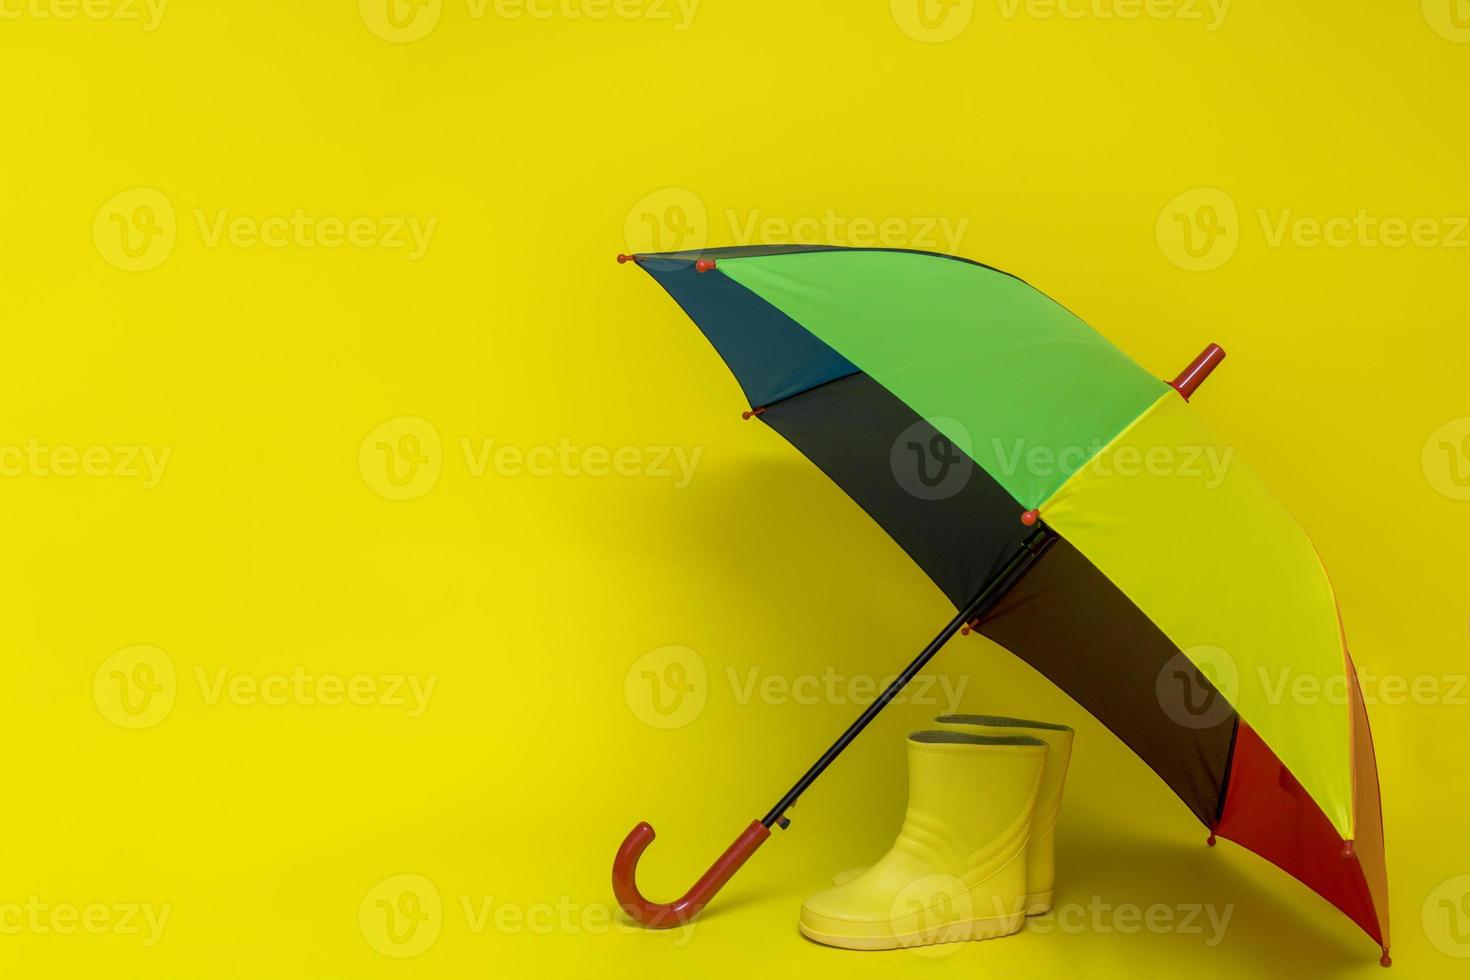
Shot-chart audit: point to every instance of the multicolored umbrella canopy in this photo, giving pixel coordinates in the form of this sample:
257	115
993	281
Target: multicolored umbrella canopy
962	409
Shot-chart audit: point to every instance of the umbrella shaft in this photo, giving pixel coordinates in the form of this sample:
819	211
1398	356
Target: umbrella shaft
1031	549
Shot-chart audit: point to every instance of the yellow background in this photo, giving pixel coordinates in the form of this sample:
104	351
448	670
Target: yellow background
1072	147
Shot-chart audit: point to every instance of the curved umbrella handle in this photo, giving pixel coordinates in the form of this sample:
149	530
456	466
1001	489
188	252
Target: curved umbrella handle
657	915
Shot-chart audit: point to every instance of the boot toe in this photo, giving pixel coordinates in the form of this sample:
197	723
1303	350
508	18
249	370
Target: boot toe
842	904
847	917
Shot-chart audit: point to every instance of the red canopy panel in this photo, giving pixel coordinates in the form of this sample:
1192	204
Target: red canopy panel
1268	812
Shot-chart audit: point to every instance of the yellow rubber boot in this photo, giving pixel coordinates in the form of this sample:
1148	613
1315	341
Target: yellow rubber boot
958	868
1041	861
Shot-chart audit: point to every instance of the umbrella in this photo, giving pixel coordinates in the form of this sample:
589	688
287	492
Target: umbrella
1077	511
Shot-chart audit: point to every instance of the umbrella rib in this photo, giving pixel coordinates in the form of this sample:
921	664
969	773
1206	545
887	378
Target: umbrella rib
761	409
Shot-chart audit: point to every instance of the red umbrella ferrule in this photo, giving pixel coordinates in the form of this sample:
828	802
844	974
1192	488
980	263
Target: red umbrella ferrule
1199	369
704	265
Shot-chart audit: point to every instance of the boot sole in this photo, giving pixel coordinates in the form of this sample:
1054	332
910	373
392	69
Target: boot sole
970	930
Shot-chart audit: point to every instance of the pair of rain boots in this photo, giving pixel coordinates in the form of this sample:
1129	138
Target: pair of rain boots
976	854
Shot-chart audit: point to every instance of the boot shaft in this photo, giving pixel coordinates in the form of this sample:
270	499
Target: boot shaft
970	789
1041	846
1058	739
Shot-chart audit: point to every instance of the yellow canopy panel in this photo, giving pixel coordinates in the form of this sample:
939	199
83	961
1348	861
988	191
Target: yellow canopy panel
1195	539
